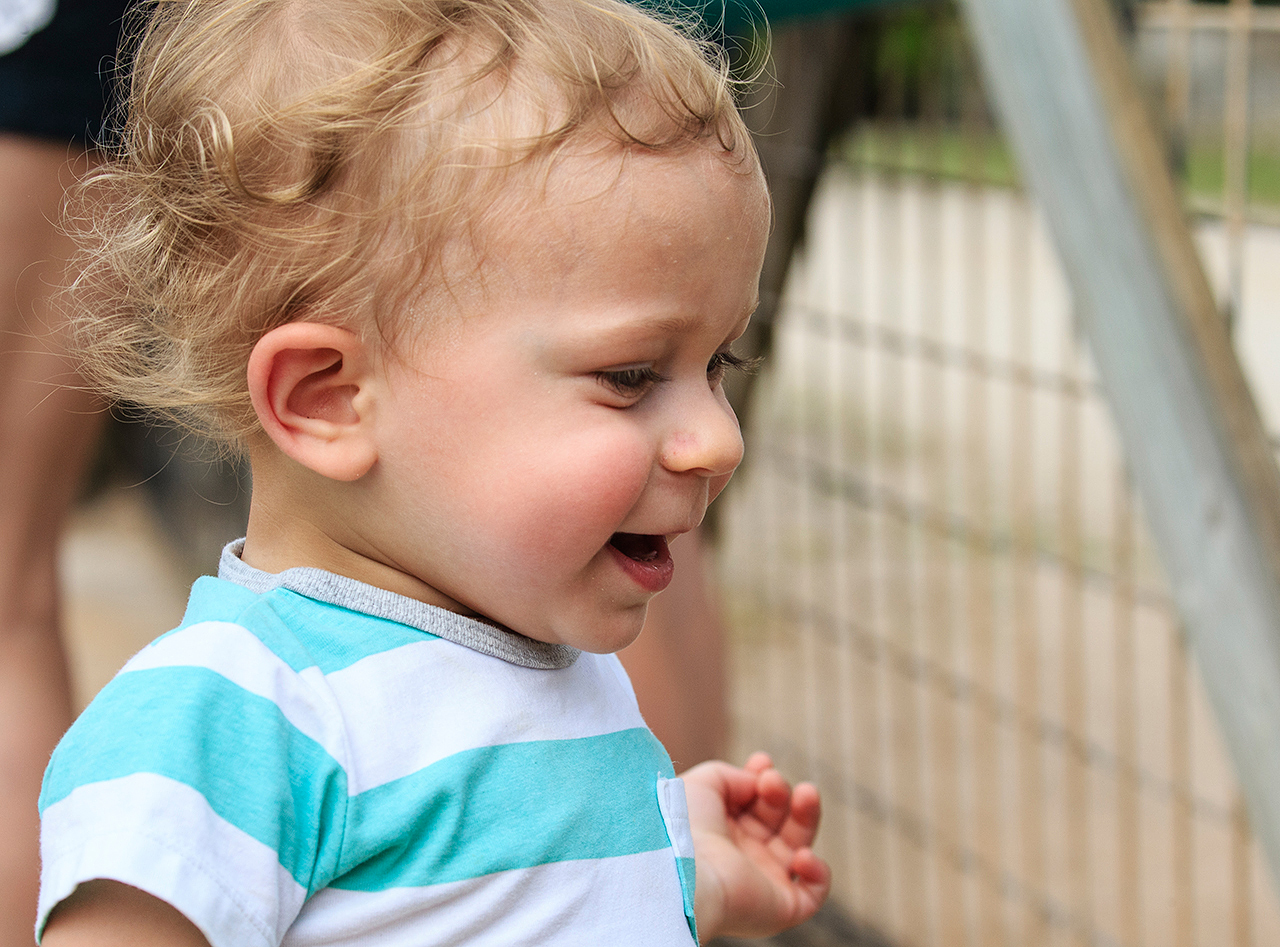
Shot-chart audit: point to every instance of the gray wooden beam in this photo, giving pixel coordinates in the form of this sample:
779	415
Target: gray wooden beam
1196	447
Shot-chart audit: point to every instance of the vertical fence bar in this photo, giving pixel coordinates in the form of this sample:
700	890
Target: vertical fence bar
881	613
936	713
1128	797
975	502
900	728
1181	819
1076	802
1235	144
1241	875
842	564
805	538
1177	87
1023	446
857	658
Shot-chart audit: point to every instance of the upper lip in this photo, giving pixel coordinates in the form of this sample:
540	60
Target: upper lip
690	521
667	534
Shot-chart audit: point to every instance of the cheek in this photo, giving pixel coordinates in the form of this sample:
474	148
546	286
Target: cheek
575	497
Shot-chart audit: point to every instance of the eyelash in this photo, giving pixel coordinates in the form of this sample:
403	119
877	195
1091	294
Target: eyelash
722	362
631	382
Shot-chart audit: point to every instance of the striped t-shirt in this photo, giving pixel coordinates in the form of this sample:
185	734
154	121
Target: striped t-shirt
310	760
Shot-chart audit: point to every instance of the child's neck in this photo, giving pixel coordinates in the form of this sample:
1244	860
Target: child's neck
305	521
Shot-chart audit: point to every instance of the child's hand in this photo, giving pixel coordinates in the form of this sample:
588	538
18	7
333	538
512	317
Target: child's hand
756	874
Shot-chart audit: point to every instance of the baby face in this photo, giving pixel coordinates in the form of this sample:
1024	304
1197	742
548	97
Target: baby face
565	418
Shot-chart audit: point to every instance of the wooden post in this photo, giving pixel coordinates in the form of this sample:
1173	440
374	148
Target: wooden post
1195	443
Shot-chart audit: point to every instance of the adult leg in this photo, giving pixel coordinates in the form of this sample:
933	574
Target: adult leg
47	429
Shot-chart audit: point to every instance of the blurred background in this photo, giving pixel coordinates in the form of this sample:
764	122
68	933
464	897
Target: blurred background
932	561
942	604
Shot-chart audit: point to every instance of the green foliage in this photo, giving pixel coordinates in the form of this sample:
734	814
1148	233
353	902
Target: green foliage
945	153
952	153
906	45
1205	174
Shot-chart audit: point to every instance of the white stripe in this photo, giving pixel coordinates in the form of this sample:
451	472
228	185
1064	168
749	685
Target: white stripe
160	835
414	705
628	901
392	713
238	655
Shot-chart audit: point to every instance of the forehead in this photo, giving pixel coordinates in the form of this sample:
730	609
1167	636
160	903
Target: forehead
625	201
613	236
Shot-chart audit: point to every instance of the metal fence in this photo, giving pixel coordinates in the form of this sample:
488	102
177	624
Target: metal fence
945	609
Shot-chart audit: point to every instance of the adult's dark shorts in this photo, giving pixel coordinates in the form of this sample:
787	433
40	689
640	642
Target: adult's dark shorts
62	83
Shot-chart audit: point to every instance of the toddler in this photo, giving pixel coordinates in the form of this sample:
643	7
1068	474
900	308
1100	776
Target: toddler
461	277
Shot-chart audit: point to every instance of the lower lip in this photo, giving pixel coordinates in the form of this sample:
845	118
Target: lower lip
651	576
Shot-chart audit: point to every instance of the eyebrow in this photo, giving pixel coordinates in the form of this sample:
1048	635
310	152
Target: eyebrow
673	324
677	324
640	327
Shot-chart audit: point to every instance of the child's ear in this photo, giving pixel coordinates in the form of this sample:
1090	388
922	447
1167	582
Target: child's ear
312	388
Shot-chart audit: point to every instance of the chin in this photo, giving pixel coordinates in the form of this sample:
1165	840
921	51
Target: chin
620	633
607	646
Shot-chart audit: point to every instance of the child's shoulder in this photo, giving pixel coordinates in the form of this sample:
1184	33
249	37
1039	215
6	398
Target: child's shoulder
229	622
230	684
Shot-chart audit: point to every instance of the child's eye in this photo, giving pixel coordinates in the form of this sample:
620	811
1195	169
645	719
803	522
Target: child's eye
630	382
722	362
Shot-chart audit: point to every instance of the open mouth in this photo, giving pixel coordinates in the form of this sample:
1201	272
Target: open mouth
645	558
640	547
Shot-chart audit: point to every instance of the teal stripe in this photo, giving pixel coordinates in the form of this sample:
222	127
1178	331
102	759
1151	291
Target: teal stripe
218	600
687	870
256	770
215	600
338	637
518	805
298	630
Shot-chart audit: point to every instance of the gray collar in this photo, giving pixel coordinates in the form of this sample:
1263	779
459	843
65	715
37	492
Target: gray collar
481	636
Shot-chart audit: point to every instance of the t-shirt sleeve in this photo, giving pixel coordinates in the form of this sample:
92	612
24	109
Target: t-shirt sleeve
206	774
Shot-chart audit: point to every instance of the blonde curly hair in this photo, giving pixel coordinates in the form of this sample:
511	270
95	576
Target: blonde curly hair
286	159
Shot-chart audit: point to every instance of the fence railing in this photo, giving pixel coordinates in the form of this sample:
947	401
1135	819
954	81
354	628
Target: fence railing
945	605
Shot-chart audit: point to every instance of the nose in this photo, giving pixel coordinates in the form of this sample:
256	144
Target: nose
705	439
